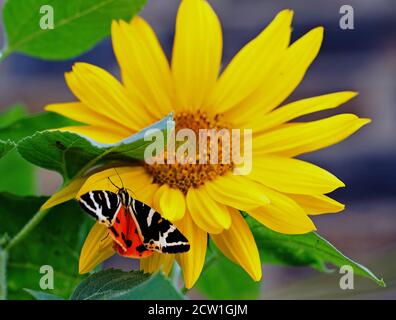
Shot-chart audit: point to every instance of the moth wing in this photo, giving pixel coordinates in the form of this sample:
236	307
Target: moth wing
118	229
102	205
124	232
157	233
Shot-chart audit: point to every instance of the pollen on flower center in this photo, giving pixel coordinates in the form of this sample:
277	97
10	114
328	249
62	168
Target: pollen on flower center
192	175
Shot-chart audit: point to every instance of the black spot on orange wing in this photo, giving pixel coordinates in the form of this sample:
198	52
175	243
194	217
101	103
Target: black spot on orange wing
112	229
128	242
118	231
141	248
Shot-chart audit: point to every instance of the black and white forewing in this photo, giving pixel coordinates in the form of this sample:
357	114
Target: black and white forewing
157	233
102	205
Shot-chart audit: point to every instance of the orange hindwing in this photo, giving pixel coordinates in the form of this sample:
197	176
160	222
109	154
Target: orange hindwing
126	236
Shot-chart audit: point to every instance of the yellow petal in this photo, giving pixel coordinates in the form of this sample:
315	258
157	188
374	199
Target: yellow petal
207	213
134	178
98	134
197	50
300	108
238	244
144	67
283	214
236	191
252	65
172	203
99	90
66	193
293	176
317	204
147	195
80	112
98	247
283	79
192	261
298	138
156	262
167	264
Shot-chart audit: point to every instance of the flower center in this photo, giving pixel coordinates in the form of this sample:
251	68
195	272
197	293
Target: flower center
207	165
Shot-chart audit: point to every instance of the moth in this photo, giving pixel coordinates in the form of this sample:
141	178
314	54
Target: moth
138	229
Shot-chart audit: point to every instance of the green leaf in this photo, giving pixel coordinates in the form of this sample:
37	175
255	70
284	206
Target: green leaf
5	147
56	241
14	113
71	154
118	285
8	117
30	124
15	123
17	174
78	25
303	250
231	281
41	295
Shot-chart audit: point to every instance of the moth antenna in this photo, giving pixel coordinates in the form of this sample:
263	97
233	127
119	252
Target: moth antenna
113	183
119	177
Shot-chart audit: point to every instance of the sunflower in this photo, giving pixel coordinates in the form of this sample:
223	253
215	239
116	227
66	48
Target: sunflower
280	192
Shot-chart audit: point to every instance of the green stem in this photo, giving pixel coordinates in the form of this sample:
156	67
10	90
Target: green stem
33	222
29	226
3	274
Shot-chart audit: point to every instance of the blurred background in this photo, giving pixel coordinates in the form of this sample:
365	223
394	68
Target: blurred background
363	59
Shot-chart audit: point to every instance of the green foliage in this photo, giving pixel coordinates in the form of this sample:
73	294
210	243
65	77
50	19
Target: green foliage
223	279
64	152
118	285
311	250
70	154
11	115
56	241
28	125
17	174
5	147
8	117
15	124
303	250
40	295
78	25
